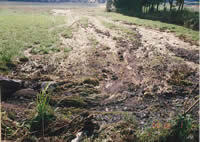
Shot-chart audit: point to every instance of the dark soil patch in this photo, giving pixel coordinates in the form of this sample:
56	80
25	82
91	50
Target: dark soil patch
189	55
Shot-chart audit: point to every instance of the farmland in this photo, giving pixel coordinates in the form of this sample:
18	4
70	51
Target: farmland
104	76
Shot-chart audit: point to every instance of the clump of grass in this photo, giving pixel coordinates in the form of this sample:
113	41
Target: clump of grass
182	127
68	33
84	22
44	50
44	112
66	50
109	25
129	32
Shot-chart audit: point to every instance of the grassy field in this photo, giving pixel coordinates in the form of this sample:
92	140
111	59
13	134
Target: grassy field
23	29
188	34
20	30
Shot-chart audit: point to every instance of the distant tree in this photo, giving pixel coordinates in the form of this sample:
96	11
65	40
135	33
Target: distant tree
109	5
180	4
171	4
130	5
165	8
145	6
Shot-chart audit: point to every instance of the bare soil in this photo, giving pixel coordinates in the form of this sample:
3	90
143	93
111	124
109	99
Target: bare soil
153	75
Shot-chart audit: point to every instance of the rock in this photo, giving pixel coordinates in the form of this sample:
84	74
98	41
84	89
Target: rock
9	86
25	93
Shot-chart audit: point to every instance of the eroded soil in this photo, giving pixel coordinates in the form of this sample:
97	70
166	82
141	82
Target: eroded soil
111	72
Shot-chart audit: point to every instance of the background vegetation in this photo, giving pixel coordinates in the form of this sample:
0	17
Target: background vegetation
171	12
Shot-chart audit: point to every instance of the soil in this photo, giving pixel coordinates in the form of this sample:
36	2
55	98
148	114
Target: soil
152	76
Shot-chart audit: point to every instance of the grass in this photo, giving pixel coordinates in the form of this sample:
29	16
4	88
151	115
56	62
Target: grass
178	30
130	33
20	30
178	129
84	21
44	112
67	33
109	25
67	49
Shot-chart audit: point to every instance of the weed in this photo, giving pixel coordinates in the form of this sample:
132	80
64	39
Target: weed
182	127
44	112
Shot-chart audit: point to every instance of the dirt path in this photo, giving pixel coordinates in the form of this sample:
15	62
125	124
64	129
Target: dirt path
130	62
113	68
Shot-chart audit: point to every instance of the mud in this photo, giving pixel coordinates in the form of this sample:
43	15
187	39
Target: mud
153	77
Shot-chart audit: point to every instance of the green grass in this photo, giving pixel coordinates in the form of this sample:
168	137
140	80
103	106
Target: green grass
109	25
67	33
44	112
84	21
130	33
20	30
67	49
178	30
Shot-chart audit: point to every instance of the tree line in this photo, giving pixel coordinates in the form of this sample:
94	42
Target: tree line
146	6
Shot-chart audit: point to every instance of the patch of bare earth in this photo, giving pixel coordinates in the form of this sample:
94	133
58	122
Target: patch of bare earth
153	76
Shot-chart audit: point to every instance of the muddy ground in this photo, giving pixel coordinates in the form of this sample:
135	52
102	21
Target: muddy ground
110	74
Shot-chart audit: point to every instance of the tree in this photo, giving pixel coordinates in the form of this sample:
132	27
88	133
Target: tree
180	4
171	4
109	5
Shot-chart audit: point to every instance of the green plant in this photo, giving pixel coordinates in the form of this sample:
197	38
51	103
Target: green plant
44	112
182	127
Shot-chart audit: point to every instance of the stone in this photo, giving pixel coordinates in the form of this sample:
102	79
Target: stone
9	86
25	93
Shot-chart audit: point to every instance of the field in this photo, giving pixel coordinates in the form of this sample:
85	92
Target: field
96	76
